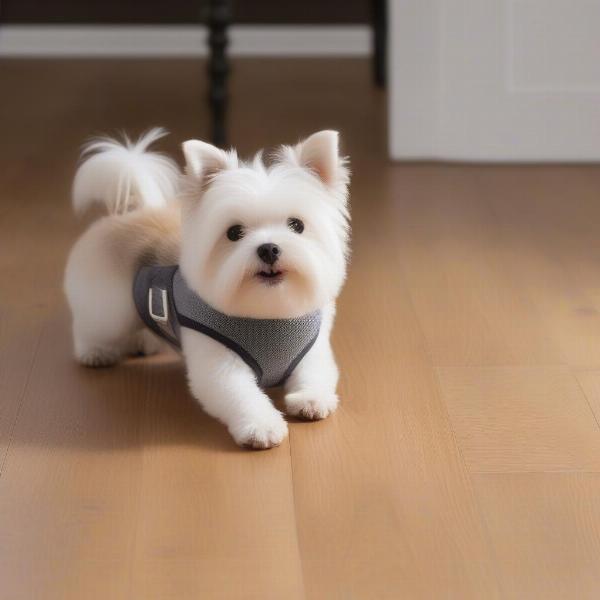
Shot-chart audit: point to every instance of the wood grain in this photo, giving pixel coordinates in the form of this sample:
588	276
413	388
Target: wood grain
590	384
521	419
545	529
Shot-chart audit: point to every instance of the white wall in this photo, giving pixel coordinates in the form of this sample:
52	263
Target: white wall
49	41
495	79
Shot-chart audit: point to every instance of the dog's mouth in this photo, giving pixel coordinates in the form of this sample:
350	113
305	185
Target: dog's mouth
271	277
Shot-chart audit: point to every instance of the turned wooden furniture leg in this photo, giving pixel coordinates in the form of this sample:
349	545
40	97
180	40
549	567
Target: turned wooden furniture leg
379	19
219	17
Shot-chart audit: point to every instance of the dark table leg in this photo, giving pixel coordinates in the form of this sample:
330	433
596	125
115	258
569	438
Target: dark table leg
219	18
379	16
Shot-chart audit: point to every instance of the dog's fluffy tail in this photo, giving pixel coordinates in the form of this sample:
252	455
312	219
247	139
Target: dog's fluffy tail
124	176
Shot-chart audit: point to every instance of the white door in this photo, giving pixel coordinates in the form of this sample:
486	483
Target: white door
495	79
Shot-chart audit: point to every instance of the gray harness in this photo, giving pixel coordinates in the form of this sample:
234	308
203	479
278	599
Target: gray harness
272	348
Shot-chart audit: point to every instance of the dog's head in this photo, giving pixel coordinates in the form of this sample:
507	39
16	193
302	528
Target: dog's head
266	241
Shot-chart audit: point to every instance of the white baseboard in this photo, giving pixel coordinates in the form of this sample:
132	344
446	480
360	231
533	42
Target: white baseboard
48	41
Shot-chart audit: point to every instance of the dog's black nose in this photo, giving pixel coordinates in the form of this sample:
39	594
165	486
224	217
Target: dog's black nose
269	253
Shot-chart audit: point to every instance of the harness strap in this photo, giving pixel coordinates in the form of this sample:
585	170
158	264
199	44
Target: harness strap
272	348
153	297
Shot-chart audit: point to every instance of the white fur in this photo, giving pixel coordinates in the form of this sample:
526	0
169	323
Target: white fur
124	176
307	181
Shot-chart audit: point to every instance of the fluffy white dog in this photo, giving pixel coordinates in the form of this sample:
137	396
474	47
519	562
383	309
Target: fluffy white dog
252	240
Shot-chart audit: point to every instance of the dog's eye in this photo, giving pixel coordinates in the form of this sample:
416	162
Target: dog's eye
235	233
295	225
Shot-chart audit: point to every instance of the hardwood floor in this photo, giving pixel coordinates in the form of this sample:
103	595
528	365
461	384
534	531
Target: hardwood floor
464	462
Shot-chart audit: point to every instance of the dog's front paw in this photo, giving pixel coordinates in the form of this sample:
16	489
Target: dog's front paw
262	433
309	405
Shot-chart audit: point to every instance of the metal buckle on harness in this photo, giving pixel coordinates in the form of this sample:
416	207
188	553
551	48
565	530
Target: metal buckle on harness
165	307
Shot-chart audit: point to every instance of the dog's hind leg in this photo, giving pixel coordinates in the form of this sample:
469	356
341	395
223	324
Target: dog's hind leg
98	285
102	338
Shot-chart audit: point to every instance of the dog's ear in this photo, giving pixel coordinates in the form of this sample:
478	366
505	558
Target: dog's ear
203	160
320	153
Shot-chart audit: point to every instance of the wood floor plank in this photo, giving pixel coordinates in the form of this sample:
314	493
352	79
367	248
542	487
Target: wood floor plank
383	513
214	521
362	534
545	528
471	307
551	247
521	419
19	342
68	494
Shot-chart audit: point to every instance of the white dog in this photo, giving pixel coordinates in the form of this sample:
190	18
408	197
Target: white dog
262	244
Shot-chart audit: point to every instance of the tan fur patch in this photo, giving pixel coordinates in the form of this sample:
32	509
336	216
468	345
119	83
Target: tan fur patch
147	236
